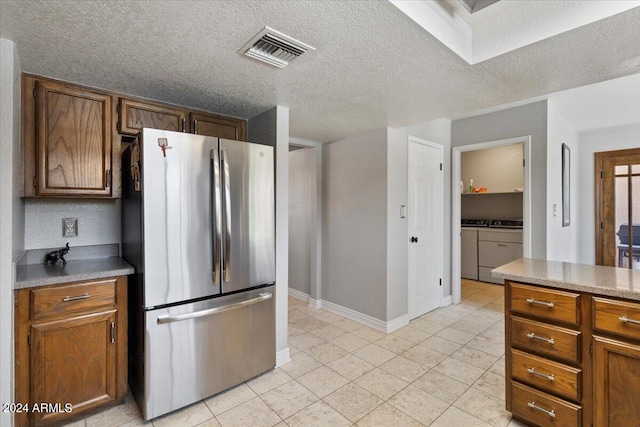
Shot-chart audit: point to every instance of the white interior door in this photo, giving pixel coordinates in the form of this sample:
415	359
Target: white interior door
426	226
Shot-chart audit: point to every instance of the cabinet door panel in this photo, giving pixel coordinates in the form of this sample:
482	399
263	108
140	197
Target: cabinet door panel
616	383
134	115
73	361
218	126
73	141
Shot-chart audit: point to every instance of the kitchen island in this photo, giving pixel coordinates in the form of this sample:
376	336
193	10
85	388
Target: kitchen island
572	343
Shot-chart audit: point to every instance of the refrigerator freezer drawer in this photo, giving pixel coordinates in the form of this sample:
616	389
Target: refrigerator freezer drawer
195	350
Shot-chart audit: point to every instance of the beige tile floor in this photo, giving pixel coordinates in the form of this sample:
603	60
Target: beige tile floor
445	368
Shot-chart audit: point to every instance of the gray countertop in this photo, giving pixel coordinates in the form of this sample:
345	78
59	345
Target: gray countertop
31	275
595	279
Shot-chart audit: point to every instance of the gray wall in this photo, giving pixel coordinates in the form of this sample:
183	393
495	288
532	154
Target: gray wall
531	120
11	212
354	215
591	142
302	206
438	131
98	222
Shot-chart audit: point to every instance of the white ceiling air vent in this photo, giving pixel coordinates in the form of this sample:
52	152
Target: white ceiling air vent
274	48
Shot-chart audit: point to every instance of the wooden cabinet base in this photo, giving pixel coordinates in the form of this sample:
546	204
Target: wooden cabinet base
70	363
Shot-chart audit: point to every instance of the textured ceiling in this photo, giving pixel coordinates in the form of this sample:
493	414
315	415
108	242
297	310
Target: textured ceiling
373	66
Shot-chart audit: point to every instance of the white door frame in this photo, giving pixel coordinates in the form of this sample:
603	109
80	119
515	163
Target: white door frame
441	148
456	203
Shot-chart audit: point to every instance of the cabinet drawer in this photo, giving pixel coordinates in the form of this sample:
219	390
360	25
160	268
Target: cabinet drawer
495	254
546	339
617	317
542	409
72	298
547	303
500	236
546	375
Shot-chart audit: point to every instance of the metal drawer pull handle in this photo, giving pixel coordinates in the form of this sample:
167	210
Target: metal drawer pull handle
625	319
549	377
535	301
551	413
85	296
539	338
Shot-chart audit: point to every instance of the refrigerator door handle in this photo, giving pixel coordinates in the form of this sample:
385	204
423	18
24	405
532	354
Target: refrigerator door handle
226	194
171	319
216	216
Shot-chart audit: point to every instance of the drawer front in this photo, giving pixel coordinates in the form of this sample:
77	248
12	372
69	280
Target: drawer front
546	303
547	375
72	298
495	254
617	317
545	339
500	236
542	409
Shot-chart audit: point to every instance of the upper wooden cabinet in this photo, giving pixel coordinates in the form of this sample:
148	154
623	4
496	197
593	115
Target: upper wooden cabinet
68	140
220	126
134	115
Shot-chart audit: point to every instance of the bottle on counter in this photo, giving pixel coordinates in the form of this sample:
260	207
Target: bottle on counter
471	186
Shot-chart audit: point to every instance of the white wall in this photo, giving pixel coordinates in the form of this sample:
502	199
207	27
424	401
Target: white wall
438	131
272	128
530	119
589	143
11	212
562	242
302	208
354	229
98	222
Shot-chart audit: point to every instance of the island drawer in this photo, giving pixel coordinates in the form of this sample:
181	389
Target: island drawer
617	317
75	297
542	409
547	375
546	303
545	339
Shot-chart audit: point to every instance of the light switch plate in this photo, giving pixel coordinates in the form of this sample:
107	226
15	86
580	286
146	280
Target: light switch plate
69	227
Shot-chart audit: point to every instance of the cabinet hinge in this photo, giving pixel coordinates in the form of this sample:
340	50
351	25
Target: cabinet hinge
35	184
440	282
522	162
184	127
601	174
113	332
35	92
108	177
440	166
601	225
29	338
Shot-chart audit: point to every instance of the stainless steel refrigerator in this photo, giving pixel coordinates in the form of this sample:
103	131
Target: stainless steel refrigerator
198	225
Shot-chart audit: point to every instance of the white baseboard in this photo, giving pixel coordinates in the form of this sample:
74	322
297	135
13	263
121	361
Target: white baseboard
298	295
315	303
397	323
446	301
283	357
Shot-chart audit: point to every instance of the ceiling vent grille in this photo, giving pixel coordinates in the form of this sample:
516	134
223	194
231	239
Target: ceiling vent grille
274	48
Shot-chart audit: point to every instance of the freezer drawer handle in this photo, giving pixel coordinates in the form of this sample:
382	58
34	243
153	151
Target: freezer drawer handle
203	313
84	296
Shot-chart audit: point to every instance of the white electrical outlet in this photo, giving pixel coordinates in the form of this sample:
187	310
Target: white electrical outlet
69	227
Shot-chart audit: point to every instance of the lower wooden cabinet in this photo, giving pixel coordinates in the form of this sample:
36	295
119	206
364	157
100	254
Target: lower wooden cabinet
73	360
572	359
616	367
